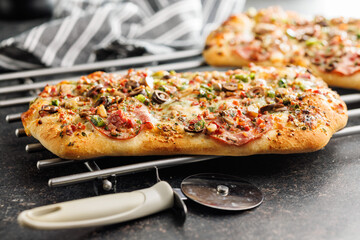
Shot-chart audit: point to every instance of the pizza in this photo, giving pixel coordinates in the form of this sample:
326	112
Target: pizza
254	110
274	37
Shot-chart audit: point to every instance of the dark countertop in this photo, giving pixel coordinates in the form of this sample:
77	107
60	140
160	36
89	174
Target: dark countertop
307	196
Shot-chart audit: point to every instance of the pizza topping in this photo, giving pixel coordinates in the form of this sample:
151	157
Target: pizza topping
282	83
256	92
195	126
97	121
94	90
320	20
132	84
137	91
232	127
264	28
230	87
217	86
274	107
103	100
55	102
48	109
253	51
101	111
160	97
84	113
118	125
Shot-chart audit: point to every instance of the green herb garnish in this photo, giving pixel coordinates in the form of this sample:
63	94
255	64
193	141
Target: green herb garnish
303	87
211	109
312	41
282	83
206	92
252	76
141	98
242	77
55	102
97	121
199	125
271	94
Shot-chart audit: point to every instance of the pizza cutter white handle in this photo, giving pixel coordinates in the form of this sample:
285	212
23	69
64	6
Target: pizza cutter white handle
101	210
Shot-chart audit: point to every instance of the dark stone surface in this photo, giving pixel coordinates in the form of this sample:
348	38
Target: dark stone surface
307	196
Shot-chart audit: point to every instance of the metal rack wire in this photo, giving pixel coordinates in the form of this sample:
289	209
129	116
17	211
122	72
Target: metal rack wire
182	62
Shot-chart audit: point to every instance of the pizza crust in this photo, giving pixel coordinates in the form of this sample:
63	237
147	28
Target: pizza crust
149	142
338	80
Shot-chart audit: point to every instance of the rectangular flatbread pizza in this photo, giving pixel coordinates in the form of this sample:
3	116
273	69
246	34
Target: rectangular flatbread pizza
274	37
255	110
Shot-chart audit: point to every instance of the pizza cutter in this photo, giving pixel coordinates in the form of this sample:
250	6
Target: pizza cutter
218	191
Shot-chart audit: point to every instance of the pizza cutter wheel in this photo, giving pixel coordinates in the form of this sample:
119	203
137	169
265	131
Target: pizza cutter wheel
212	190
221	191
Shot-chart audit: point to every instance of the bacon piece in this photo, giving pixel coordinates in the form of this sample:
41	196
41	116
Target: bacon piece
243	133
144	116
123	126
347	66
253	51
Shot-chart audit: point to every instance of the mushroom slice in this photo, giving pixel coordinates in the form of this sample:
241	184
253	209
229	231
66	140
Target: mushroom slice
94	90
49	108
137	91
256	91
106	101
230	87
217	86
132	84
194	128
84	113
160	96
191	129
275	107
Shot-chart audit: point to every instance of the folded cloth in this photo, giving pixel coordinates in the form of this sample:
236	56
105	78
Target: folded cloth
85	31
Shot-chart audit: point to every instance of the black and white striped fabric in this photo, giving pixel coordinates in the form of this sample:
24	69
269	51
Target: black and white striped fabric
85	31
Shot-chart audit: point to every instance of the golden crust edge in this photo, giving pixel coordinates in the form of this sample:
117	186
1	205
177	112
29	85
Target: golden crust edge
337	80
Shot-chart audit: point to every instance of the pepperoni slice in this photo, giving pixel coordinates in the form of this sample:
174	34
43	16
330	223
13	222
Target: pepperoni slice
242	130
123	125
253	51
346	65
144	115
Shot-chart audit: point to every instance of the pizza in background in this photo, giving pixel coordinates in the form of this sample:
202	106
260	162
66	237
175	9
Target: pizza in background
255	110
274	37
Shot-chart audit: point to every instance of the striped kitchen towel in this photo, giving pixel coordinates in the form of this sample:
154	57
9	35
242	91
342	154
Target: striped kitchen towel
84	31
